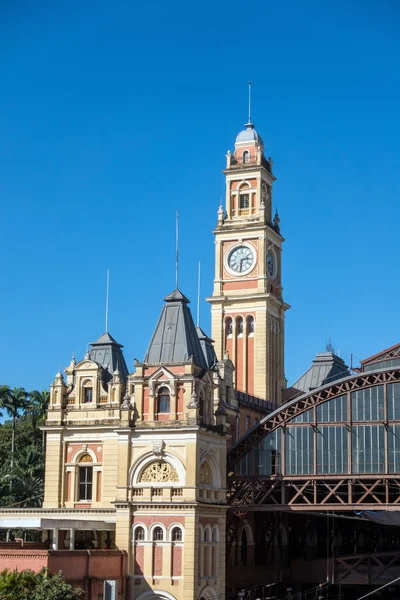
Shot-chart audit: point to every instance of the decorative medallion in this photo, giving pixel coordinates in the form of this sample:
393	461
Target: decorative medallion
160	472
205	474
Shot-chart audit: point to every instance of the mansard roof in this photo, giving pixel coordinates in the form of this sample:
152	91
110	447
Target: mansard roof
326	368
108	353
207	347
175	338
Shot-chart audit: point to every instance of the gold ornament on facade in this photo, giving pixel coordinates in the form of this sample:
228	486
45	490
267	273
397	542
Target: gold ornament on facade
159	472
205	474
85	458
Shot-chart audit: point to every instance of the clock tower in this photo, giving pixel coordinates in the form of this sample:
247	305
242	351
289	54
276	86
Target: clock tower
247	306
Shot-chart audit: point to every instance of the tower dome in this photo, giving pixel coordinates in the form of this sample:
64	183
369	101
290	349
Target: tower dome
249	135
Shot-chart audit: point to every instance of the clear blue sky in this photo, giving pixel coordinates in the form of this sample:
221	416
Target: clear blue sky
115	114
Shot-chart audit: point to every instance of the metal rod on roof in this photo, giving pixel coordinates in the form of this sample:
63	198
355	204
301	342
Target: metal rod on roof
177	248
249	101
198	297
107	295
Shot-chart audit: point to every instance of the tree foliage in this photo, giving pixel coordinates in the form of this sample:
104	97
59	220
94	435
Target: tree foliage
27	585
22	452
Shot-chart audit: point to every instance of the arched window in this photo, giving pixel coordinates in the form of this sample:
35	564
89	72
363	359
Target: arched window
244	201
139	534
163	400
246	157
239	326
87	392
207	533
158	534
85	478
215	534
250	325
176	534
228	327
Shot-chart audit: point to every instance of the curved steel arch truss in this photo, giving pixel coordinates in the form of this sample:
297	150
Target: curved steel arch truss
322	491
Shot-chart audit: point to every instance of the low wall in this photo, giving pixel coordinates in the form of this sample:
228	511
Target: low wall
84	568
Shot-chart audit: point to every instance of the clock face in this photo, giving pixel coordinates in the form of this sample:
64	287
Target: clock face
271	263
241	260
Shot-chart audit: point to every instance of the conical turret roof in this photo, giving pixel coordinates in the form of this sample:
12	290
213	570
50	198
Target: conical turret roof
108	353
175	338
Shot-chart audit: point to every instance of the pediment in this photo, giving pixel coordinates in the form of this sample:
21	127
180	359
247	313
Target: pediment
162	374
86	364
207	378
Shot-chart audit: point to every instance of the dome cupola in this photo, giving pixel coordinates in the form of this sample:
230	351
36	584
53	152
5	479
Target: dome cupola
249	136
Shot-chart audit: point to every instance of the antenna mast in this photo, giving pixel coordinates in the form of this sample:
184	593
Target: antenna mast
249	101
107	294
198	297
177	248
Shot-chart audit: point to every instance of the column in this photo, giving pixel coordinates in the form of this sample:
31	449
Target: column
54	541
72	539
234	344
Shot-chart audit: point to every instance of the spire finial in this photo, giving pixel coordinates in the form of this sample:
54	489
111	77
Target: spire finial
198	297
329	346
177	249
107	295
249	101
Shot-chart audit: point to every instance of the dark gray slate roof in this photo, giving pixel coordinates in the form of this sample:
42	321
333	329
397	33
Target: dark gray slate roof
206	344
175	338
108	353
326	368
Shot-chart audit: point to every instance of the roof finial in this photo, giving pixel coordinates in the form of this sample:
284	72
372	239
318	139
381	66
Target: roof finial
249	101
198	297
107	294
329	346
177	248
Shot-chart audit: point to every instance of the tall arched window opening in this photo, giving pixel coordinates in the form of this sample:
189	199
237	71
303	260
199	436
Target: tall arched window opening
239	326
246	157
88	393
164	400
250	325
228	327
85	478
139	534
176	534
158	534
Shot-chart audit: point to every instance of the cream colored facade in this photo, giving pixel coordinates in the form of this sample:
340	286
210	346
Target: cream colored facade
162	473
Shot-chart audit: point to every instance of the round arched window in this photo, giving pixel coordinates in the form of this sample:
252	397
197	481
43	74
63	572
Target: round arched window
164	400
158	534
176	534
139	534
239	326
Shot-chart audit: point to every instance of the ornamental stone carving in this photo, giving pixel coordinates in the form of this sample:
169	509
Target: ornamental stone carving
205	474
160	472
85	458
158	447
